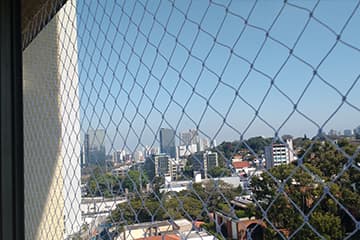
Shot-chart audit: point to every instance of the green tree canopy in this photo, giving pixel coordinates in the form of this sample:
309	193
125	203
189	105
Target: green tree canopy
304	190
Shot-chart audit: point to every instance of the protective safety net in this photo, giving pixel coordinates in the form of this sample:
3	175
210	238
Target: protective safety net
193	120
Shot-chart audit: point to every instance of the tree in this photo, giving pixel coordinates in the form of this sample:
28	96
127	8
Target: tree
109	185
134	180
157	182
103	184
327	224
219	172
257	144
324	162
139	209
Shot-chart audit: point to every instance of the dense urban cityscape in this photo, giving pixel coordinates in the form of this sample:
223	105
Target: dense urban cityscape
174	120
202	189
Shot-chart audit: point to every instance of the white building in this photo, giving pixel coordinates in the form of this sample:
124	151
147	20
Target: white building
148	151
176	167
187	150
279	153
203	144
121	170
118	156
138	156
175	186
241	166
92	208
52	129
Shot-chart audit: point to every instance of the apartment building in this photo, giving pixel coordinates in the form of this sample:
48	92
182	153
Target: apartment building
279	153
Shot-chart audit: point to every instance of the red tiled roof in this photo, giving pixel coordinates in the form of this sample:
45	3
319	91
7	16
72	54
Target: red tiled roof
165	237
198	224
239	165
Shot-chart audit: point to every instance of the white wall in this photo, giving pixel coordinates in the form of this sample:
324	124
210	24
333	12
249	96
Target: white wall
70	116
51	130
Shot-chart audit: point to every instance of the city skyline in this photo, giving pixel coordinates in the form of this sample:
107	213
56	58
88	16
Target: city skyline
170	80
218	119
145	148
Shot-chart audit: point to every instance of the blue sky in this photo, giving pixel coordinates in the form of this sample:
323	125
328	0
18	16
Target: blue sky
202	54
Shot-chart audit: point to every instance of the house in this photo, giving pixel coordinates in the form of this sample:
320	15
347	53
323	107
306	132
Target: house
238	228
241	167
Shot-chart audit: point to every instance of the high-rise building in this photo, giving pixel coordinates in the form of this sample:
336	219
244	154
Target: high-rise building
118	157
167	142
176	167
204	161
157	165
357	131
188	143
148	151
129	158
348	132
279	153
333	132
86	151
197	162
138	156
96	138
189	138
149	167
213	143
210	161
52	186
162	165
94	147
203	144
185	151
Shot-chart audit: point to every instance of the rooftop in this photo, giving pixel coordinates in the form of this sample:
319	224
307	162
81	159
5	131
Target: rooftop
150	224
239	165
163	237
